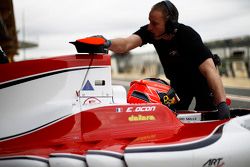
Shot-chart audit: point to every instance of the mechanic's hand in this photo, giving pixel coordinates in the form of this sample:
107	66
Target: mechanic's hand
107	43
223	111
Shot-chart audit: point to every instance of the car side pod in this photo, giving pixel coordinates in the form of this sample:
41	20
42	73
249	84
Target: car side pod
105	158
66	160
24	161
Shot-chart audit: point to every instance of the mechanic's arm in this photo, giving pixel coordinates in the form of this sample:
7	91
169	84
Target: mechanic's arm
210	72
123	45
208	69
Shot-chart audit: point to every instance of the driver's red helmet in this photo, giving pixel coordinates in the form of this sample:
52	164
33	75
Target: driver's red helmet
151	90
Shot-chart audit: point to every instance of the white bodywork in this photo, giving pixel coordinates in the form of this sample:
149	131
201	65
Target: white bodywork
231	150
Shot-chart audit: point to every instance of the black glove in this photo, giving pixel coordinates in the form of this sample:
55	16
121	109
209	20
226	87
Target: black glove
223	111
107	43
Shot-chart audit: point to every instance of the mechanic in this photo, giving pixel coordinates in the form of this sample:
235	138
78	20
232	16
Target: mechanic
187	62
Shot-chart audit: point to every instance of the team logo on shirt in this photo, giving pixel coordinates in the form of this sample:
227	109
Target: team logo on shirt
173	53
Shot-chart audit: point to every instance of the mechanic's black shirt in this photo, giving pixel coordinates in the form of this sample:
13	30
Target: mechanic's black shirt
181	58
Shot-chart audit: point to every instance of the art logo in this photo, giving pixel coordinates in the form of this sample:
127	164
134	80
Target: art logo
215	162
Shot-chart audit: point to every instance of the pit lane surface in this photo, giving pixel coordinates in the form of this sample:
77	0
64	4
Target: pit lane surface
240	96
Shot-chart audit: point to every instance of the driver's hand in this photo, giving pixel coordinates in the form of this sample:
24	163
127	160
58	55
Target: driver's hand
223	111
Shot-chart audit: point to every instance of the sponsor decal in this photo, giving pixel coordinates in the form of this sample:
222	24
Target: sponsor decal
214	162
77	93
188	119
141	109
135	118
88	86
145	138
92	100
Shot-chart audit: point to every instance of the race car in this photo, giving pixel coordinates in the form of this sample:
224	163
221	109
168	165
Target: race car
64	111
